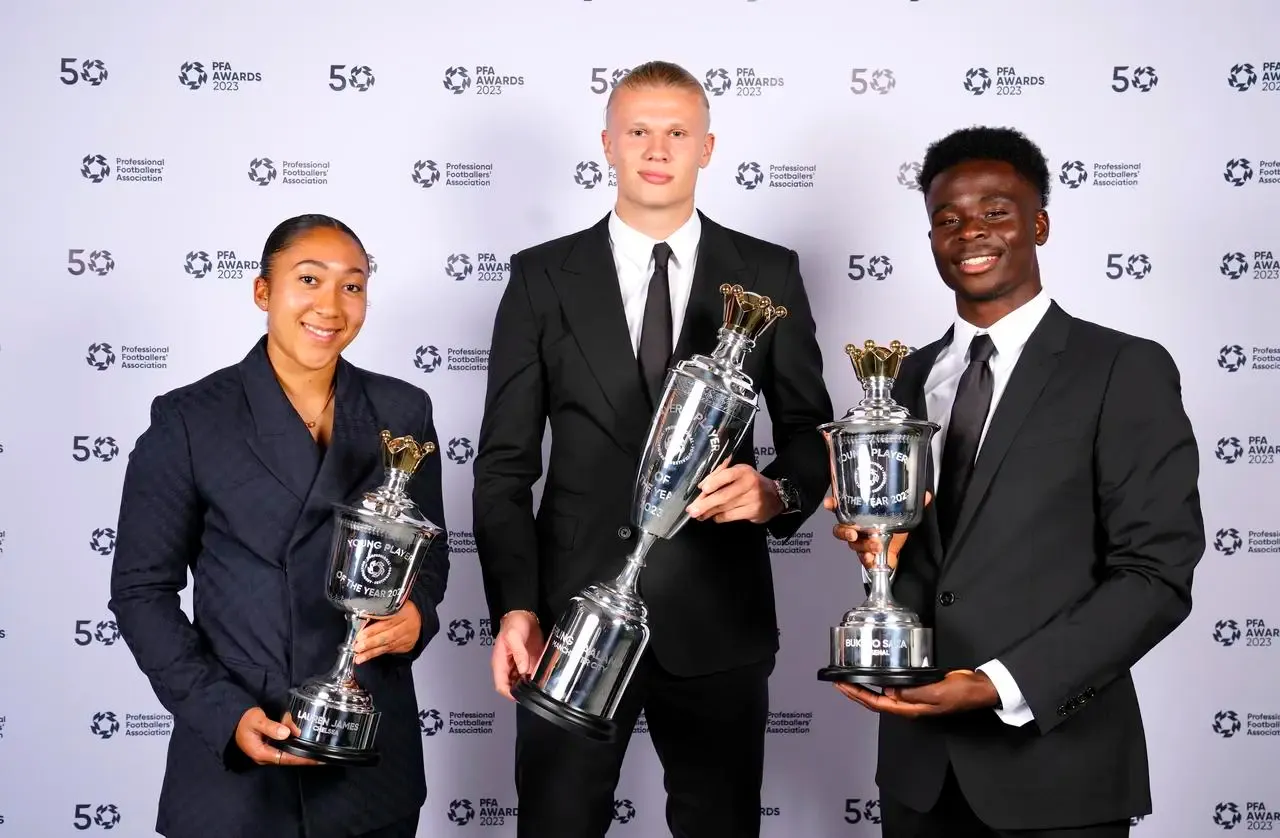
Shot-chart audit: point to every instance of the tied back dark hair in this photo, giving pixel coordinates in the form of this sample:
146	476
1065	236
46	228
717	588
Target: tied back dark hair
981	143
288	231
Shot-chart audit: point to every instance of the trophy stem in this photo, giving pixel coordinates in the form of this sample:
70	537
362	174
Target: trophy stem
394	483
733	348
878	389
343	671
880	596
629	578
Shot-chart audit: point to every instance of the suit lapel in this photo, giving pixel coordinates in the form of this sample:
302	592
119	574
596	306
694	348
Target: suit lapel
353	461
587	285
718	262
911	396
1038	361
279	439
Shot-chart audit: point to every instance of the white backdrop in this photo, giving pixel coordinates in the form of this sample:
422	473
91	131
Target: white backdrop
152	146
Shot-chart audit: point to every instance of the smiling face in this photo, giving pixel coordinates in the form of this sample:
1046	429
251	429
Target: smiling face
314	299
657	138
986	221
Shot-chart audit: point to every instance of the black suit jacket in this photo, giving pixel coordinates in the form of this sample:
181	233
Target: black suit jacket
561	352
225	483
1072	557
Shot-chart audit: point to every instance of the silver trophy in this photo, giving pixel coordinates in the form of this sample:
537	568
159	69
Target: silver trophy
707	405
377	550
879	455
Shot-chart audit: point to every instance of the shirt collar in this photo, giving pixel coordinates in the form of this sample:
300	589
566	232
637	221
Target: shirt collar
1010	333
637	248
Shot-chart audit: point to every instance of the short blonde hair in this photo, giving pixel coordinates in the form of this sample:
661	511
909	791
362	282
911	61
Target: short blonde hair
659	74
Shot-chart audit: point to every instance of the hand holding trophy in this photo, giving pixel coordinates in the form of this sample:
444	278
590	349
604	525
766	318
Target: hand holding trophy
376	553
707	405
878	456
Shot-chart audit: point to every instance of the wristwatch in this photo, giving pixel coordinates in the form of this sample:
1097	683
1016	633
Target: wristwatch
788	494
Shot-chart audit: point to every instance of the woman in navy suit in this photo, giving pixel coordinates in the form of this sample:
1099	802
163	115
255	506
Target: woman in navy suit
234	481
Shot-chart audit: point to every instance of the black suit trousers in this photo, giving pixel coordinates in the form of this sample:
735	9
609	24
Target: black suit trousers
952	817
708	732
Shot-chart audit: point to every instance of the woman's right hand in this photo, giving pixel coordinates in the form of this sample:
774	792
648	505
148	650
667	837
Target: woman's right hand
255	729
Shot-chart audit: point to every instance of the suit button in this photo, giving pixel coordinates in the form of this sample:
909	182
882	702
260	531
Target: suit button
1062	711
946	598
624	533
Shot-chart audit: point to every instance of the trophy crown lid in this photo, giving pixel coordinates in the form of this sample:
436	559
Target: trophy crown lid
748	313
404	453
872	360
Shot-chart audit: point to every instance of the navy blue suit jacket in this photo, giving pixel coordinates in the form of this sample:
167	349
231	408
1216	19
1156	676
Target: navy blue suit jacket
228	483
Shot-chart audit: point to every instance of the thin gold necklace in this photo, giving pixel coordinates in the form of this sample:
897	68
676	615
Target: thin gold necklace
332	387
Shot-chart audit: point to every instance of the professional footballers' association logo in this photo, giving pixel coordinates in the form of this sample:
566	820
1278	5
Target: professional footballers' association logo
1238	171
1226	723
1073	174
1232	358
909	176
1228	541
750	175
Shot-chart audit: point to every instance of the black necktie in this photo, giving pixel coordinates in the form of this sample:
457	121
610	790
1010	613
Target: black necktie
960	450
655	333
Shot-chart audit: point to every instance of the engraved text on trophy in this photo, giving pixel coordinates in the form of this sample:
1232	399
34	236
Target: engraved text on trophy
698	425
874	474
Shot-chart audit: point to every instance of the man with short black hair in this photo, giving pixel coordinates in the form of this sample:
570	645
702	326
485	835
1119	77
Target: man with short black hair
1061	540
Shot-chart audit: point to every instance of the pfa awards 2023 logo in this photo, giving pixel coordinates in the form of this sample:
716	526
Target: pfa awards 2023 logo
1253	815
1246	76
741	81
1238	265
218	264
1005	81
486	811
482	267
1251	632
1254	450
217	76
463	631
479	80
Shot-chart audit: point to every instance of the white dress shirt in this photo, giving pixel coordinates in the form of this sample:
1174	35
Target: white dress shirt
1009	334
633	257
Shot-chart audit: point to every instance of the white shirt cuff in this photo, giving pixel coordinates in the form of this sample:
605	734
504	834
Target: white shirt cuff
1014	710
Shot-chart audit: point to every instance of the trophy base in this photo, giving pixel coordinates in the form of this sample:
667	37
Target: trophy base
328	754
337	723
870	676
575	721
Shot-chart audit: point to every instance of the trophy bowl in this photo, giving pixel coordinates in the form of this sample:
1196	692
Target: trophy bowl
375	554
878	458
706	408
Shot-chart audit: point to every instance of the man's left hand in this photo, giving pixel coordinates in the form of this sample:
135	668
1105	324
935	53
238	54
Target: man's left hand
396	634
736	493
960	691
